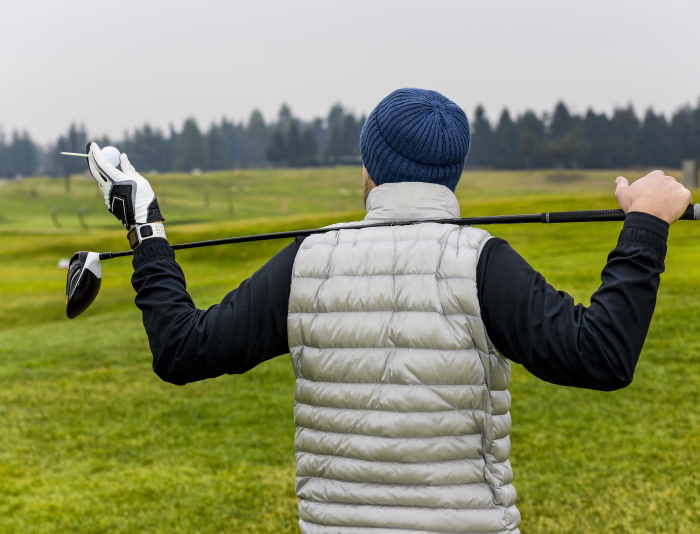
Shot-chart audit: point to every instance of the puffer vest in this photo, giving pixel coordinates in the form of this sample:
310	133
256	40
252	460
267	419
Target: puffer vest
401	402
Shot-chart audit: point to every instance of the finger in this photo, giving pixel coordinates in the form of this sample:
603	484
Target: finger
101	178
105	169
90	145
127	167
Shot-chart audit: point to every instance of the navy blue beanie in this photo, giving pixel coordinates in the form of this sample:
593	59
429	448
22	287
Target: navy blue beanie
415	135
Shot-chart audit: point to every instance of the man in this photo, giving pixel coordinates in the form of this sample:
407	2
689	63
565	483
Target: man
401	336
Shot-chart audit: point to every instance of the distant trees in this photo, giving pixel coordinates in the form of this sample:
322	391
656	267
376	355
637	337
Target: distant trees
593	140
149	146
482	148
560	139
254	141
291	143
18	155
74	140
190	148
342	144
331	142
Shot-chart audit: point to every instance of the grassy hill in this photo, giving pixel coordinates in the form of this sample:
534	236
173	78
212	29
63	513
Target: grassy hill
93	442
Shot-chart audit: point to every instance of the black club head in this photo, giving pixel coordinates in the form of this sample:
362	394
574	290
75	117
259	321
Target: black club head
83	282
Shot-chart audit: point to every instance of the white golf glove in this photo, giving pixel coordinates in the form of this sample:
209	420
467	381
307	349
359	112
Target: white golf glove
128	195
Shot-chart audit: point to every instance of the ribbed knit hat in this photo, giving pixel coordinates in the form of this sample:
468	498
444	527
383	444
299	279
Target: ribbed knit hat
415	135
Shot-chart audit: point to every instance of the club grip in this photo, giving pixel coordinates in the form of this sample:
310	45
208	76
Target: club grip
584	216
692	213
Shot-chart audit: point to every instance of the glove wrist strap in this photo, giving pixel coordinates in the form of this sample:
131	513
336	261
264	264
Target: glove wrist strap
140	232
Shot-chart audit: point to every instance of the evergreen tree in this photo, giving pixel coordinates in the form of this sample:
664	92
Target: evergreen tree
506	141
170	148
309	147
481	151
191	148
75	140
623	137
562	122
566	141
216	156
351	139
19	156
595	130
255	141
24	154
284	117
4	160
294	156
147	148
654	145
694	144
685	132
230	134
336	137
320	135
277	149
531	140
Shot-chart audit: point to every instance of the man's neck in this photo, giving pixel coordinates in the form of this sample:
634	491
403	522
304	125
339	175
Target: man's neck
411	200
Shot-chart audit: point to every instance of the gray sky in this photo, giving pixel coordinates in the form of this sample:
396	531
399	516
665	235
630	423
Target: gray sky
115	65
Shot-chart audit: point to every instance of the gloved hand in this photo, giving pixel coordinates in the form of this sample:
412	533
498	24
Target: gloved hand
128	195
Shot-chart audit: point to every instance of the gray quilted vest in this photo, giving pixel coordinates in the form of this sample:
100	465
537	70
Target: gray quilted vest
401	403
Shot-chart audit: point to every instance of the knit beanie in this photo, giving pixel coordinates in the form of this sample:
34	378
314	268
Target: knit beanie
415	135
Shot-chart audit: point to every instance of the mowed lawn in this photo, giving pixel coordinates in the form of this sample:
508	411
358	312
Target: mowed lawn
92	441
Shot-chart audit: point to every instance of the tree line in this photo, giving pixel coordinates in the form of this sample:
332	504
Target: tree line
560	139
226	144
590	140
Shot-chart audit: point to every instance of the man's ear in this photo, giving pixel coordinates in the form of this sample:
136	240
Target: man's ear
368	183
368	179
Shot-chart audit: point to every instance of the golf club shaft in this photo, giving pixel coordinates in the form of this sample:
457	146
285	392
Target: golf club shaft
75	154
692	213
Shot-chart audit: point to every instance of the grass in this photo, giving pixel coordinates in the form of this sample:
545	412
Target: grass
244	194
93	442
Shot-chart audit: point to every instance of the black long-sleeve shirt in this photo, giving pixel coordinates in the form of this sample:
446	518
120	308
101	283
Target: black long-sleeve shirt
528	321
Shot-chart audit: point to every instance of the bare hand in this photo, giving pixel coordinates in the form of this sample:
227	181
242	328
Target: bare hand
656	193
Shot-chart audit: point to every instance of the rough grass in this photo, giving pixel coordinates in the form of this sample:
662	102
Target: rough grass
93	442
35	204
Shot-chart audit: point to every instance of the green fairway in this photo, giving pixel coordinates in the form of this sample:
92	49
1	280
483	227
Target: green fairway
93	441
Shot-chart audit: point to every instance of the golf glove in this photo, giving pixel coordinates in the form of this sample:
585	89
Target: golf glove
128	195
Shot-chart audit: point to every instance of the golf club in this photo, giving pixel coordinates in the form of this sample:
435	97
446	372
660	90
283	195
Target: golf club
85	270
110	153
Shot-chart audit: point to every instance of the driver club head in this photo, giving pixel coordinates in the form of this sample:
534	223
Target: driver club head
83	282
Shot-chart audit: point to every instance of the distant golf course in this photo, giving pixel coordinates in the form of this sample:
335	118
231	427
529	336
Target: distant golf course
92	441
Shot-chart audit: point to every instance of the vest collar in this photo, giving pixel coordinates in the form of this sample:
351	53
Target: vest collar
411	200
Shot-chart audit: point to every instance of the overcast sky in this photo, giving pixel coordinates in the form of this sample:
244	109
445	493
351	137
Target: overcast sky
114	65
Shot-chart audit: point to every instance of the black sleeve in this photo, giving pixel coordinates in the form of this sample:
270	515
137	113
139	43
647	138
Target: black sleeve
248	327
594	347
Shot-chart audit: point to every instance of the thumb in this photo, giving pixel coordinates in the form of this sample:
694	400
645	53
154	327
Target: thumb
622	192
622	188
621	183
